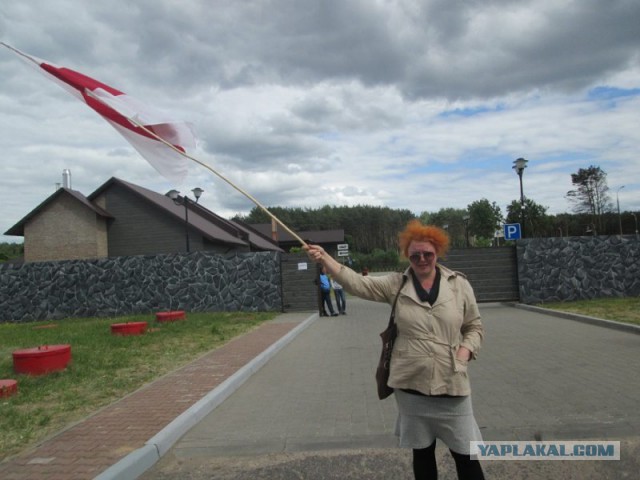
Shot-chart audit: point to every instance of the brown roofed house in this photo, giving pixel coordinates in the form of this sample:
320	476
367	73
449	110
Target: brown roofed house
122	219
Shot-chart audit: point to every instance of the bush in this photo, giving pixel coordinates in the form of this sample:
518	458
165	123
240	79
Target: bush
378	260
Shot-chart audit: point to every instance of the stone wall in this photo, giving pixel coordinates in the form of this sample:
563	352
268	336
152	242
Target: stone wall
549	269
578	268
198	281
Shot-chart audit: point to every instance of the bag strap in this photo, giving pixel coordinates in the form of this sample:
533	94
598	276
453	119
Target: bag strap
392	317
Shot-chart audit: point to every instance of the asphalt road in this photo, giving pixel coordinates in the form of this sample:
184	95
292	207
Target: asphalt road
312	412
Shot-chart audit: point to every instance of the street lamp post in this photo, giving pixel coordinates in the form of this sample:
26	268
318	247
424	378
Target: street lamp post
618	202
184	200
519	165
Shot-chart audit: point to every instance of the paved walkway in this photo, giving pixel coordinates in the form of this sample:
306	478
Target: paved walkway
311	412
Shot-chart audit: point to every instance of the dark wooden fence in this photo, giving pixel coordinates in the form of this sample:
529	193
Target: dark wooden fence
299	287
492	272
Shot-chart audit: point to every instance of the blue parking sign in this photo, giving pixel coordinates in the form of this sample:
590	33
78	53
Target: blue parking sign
512	231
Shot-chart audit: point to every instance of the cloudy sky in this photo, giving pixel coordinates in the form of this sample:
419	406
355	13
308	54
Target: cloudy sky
408	104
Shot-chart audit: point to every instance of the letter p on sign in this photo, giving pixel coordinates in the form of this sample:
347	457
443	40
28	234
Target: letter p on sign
512	231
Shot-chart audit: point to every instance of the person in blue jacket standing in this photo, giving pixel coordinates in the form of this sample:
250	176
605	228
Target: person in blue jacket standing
325	290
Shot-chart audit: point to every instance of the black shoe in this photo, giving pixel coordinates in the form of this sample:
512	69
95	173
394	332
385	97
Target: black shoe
334	314
343	313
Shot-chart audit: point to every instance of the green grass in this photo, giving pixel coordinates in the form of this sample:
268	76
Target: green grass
617	309
104	367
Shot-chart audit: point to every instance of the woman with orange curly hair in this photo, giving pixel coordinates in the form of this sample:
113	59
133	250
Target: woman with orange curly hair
439	332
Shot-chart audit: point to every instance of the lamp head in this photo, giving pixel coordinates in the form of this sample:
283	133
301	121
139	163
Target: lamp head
197	192
175	196
519	165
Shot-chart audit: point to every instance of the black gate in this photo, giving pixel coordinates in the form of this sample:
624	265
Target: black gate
492	271
493	274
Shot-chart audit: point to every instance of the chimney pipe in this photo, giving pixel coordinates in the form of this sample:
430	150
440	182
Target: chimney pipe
66	178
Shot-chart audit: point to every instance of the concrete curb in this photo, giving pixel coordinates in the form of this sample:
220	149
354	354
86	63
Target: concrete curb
625	327
142	459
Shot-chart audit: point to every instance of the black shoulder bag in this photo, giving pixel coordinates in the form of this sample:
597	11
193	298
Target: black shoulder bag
388	338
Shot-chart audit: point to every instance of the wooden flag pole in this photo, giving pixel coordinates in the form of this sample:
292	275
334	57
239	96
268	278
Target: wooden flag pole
222	177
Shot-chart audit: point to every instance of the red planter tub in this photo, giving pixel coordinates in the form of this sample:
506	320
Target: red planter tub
171	316
129	328
42	359
8	388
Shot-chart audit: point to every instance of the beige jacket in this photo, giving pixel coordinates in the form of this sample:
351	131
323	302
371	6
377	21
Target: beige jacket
424	354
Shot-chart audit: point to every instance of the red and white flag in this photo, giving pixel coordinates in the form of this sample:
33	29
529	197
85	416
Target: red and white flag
123	113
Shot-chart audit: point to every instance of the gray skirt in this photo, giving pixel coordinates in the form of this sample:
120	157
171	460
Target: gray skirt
422	419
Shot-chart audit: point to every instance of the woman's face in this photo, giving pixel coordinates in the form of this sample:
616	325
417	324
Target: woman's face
423	258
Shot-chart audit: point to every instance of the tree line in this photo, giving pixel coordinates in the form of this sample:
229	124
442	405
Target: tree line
366	227
9	251
370	229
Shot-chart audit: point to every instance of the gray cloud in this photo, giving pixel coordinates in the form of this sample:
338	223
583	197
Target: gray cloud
425	49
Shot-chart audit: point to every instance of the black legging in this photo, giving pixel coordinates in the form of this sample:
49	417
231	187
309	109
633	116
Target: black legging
425	468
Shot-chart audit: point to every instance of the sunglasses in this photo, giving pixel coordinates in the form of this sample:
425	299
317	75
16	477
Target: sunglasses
415	257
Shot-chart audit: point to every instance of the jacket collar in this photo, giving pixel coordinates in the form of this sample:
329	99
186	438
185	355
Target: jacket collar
446	290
